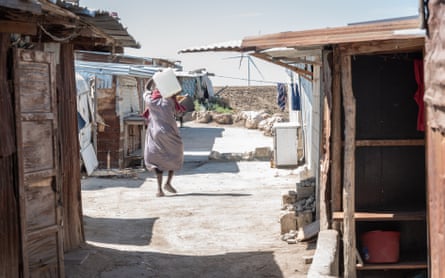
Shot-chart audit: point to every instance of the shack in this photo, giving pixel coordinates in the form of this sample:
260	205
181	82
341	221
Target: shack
116	90
117	83
40	196
372	174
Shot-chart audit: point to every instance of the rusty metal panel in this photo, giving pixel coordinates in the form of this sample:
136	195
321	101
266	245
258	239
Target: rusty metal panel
36	122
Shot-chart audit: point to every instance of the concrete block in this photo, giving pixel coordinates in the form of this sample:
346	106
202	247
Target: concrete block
326	258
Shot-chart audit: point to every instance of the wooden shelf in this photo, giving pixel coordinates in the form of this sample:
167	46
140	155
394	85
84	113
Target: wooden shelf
390	143
400	265
383	216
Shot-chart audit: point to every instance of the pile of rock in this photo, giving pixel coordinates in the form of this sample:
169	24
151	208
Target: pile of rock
261	120
298	211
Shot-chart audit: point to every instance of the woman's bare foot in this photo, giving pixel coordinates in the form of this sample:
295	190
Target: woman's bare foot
169	188
160	194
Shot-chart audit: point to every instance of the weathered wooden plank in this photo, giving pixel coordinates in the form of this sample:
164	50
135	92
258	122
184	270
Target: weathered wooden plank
436	199
29	6
37	117
389	143
384	216
48	231
304	73
7	134
24	28
349	241
38	146
41	211
9	228
37	152
28	177
73	231
401	265
435	137
369	47
336	169
324	199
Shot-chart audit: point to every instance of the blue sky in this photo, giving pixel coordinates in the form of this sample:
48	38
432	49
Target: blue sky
164	27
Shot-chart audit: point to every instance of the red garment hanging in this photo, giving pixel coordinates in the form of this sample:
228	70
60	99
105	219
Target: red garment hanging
418	97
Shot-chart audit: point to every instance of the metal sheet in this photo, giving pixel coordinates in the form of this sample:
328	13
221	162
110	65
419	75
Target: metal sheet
89	158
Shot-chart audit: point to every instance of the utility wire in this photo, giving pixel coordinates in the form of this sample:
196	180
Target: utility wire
252	80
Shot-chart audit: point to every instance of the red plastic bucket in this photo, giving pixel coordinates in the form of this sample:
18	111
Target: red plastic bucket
380	246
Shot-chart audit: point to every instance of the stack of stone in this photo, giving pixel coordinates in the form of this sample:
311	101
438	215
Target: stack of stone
298	210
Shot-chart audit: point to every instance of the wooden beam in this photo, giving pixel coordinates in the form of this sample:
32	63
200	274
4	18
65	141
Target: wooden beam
390	143
324	197
304	73
24	28
436	197
297	60
24	6
384	216
387	46
336	134
349	241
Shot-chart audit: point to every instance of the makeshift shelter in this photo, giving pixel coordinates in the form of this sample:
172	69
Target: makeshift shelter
117	84
372	172
39	152
116	90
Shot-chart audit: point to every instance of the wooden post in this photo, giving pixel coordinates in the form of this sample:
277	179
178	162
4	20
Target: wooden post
436	199
336	133
73	230
325	142
349	245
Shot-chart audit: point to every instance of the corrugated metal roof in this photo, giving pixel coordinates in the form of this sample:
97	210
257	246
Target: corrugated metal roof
311	39
107	23
116	69
233	45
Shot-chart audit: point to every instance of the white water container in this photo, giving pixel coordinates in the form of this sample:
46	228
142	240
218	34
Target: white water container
167	83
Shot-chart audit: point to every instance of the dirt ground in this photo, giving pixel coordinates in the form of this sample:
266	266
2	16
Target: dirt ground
224	221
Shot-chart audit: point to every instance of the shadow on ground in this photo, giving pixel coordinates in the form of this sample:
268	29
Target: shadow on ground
119	231
110	263
203	142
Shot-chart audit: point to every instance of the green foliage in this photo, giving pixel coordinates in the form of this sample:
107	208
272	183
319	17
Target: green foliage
213	104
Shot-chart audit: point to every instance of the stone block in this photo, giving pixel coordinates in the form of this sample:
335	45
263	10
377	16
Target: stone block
288	222
263	153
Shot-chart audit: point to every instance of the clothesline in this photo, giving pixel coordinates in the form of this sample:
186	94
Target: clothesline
245	79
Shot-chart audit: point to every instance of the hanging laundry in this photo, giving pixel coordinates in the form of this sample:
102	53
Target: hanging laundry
207	84
418	97
296	102
282	95
188	86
